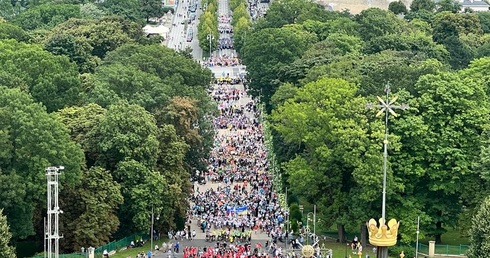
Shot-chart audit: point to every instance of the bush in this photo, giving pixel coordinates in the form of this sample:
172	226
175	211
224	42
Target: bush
168	8
294	216
395	251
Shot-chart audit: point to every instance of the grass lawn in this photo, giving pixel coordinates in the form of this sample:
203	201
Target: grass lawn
133	251
340	250
451	237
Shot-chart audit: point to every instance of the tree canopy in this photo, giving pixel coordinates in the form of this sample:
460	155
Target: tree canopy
438	148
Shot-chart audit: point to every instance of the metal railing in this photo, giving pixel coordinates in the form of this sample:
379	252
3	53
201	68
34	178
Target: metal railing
117	245
112	246
445	249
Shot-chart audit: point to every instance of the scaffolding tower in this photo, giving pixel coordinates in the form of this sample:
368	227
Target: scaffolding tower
52	235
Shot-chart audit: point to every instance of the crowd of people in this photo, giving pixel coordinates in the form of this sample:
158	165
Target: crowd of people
222	60
245	250
242	200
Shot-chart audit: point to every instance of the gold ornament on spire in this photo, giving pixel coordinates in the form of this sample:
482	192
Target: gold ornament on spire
385	235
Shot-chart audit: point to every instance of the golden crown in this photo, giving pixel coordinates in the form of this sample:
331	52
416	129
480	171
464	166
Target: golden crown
384	235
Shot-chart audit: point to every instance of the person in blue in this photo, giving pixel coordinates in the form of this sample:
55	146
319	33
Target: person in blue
149	254
177	245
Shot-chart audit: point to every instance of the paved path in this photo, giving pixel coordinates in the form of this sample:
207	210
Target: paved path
178	33
178	41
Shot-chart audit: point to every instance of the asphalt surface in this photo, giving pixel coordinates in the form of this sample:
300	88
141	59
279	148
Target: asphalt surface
178	41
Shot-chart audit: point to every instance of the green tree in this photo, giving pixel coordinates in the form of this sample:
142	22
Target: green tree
77	49
283	93
397	7
460	53
163	62
373	72
5	250
130	84
9	9
128	9
422	5
415	42
12	31
46	16
182	113
240	12
327	118
31	140
295	217
266	51
240	30
151	8
449	6
126	132
294	11
484	18
89	210
184	78
478	232
374	22
447	24
332	48
171	164
102	35
91	11
436	123
81	122
52	80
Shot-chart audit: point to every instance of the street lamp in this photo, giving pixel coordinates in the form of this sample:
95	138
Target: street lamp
314	220
383	242
210	37
152	224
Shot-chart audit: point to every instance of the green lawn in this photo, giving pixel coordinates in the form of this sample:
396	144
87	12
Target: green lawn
341	250
451	237
133	251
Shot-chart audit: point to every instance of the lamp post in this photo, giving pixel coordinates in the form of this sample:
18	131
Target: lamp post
152	225
314	220
346	244
210	37
417	243
387	107
151	233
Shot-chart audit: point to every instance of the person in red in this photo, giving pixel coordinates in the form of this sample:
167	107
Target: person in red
186	253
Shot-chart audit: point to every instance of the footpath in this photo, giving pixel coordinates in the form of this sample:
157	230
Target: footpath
238	159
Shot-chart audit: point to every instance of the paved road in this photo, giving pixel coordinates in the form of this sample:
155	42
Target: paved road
178	34
178	41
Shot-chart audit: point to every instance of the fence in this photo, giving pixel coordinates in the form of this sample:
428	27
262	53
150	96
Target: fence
451	249
73	255
112	246
445	249
116	245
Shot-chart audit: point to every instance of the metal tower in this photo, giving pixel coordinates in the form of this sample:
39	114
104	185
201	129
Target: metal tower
52	235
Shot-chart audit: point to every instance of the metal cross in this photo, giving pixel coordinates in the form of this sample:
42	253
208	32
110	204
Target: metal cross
386	108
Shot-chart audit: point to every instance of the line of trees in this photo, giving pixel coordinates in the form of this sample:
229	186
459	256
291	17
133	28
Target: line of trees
315	71
241	22
208	26
129	119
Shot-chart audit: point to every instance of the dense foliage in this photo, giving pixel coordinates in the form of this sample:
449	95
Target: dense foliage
207	29
316	70
81	86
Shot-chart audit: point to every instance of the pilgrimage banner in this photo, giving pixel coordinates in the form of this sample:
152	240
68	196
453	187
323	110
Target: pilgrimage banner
237	210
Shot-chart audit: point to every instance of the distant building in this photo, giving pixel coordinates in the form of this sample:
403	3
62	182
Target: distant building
475	5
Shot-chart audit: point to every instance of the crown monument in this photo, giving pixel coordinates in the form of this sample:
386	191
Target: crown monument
384	235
